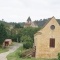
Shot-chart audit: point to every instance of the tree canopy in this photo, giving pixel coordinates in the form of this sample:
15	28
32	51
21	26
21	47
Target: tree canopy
3	33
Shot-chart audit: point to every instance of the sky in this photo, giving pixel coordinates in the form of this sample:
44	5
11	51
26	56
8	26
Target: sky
20	10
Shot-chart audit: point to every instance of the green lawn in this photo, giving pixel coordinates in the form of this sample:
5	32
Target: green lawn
15	56
3	50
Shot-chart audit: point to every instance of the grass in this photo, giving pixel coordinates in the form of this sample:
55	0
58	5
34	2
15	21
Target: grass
3	50
15	56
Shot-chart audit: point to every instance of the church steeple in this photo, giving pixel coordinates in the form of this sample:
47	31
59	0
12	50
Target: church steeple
29	20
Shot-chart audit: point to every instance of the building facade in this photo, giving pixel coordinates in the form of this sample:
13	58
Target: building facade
47	40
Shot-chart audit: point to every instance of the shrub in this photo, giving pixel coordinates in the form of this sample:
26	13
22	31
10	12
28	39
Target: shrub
58	56
26	38
27	45
22	55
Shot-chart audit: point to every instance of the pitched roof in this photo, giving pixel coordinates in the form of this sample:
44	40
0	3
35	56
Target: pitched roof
49	21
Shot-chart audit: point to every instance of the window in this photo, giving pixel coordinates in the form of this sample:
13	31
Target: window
52	42
52	27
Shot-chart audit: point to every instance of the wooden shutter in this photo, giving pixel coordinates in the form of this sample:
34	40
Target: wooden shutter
52	42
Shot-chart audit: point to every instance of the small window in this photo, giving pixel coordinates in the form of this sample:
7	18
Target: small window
52	27
52	42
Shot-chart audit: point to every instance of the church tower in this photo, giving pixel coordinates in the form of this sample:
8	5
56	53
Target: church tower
29	20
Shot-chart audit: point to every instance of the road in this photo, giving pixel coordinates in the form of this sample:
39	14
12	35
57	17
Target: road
11	49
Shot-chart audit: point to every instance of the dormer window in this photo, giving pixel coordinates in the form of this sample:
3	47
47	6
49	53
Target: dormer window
52	27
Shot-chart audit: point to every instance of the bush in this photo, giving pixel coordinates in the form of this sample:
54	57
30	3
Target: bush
27	45
22	55
27	41
58	56
26	38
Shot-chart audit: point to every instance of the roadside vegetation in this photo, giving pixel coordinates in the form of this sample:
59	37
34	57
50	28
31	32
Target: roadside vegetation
19	34
17	55
3	50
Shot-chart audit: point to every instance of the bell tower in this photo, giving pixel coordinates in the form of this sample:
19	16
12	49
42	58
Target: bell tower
29	20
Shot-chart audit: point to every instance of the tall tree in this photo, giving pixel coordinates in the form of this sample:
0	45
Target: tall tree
3	33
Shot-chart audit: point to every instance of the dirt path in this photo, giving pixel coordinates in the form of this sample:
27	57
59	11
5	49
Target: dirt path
11	49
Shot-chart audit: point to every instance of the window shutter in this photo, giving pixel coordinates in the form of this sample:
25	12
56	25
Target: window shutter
52	42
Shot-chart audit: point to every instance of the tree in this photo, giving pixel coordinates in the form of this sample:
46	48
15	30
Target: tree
27	42
17	25
3	33
28	45
27	32
26	38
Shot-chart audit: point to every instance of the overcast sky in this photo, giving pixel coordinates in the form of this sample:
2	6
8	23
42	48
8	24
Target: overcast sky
20	10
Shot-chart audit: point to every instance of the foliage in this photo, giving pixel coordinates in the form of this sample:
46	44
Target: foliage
27	32
27	36
3	33
3	50
27	41
17	33
16	55
27	45
40	22
14	35
17	25
58	56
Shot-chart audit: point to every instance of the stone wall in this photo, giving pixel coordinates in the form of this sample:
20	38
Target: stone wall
42	41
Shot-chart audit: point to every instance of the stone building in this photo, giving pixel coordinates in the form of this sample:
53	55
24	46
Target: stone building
29	23
47	40
7	42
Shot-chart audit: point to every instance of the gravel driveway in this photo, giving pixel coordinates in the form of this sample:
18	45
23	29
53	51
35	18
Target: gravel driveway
11	49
